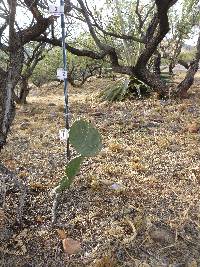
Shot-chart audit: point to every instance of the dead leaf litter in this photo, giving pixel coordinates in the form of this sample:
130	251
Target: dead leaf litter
136	204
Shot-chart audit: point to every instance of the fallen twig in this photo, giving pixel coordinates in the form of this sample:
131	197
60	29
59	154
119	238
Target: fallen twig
54	207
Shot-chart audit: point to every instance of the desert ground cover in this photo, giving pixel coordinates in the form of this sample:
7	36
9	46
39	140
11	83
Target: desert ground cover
136	204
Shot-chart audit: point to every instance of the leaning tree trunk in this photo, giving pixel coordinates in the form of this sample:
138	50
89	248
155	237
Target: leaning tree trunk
182	89
184	86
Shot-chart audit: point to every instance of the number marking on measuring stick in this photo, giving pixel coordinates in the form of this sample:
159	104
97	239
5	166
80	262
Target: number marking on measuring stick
61	74
56	10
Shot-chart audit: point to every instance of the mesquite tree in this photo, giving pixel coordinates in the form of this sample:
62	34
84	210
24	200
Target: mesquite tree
183	23
79	69
152	27
33	55
14	48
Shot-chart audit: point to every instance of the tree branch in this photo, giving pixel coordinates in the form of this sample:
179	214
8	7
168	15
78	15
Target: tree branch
184	86
73	50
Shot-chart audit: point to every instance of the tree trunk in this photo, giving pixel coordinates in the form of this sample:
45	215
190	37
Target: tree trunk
2	105
153	81
7	85
171	67
140	70
184	86
24	91
157	63
182	89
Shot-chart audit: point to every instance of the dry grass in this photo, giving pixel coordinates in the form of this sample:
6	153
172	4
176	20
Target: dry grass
150	215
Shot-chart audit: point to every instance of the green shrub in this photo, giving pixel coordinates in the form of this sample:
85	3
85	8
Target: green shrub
187	56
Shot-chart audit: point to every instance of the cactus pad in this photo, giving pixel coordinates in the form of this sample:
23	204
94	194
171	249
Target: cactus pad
85	138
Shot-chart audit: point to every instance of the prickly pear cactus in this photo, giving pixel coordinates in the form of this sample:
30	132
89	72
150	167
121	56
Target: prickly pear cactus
86	139
71	170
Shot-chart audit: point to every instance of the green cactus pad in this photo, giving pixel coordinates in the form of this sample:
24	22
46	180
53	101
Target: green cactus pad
64	184
73	167
71	170
85	138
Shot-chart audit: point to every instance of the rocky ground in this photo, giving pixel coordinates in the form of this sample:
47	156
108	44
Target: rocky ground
136	204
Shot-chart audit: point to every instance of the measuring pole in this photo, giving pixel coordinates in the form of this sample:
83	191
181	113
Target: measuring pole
66	97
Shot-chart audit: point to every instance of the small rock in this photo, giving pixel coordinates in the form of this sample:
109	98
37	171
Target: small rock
192	109
151	124
71	246
97	114
157	118
51	104
174	148
193	127
161	236
53	114
165	102
117	187
175	128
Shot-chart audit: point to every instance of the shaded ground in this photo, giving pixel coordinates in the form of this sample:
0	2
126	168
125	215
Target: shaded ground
136	204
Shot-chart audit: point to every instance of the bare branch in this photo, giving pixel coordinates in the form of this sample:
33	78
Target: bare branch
32	6
73	50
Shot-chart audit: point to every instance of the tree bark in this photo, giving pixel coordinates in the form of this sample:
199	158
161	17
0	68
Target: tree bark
171	67
9	81
182	89
157	63
154	39
21	99
10	77
2	105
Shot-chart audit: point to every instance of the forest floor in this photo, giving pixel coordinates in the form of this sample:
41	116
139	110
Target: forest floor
135	204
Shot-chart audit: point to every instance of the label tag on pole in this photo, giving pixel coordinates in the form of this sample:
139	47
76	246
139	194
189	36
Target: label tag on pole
64	134
61	74
56	10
